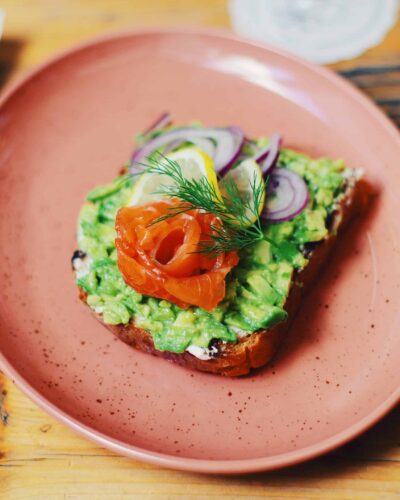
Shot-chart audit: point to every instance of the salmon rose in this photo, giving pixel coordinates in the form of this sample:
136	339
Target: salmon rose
161	259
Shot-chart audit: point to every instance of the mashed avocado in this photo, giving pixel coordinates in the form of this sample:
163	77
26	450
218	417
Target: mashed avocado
256	289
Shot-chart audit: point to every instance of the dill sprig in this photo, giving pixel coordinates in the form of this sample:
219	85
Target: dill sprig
240	222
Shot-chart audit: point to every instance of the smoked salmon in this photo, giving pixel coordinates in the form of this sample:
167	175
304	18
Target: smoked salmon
161	258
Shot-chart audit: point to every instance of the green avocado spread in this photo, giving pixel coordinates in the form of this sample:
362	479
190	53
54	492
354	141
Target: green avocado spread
256	289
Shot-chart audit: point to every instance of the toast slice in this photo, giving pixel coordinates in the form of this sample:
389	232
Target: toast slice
257	349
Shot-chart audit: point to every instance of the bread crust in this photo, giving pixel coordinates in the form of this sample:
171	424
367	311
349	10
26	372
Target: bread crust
257	349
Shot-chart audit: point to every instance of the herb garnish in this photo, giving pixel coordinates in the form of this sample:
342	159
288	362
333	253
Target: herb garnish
241	225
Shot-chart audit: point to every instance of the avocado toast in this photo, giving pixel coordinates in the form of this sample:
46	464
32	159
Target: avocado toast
262	292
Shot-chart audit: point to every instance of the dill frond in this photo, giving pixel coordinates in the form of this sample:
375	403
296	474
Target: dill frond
241	225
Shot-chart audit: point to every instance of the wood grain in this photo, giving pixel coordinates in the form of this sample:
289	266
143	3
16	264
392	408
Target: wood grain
40	457
44	459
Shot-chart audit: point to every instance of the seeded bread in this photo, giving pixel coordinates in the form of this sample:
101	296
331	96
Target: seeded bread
257	349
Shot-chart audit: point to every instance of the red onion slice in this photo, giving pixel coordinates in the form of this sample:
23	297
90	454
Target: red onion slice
172	145
161	122
238	137
206	145
227	142
287	196
268	156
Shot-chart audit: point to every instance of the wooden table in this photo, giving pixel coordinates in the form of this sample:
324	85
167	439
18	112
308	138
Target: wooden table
41	458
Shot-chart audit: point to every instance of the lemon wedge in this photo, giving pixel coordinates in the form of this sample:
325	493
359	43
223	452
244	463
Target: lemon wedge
194	164
245	176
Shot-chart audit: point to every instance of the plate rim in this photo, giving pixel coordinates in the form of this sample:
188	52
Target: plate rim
241	466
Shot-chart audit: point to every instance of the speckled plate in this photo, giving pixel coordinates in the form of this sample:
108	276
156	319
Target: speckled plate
69	126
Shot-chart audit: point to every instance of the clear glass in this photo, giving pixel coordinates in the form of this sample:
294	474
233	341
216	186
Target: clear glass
320	30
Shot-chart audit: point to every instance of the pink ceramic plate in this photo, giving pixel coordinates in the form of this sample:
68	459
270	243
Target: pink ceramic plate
70	126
